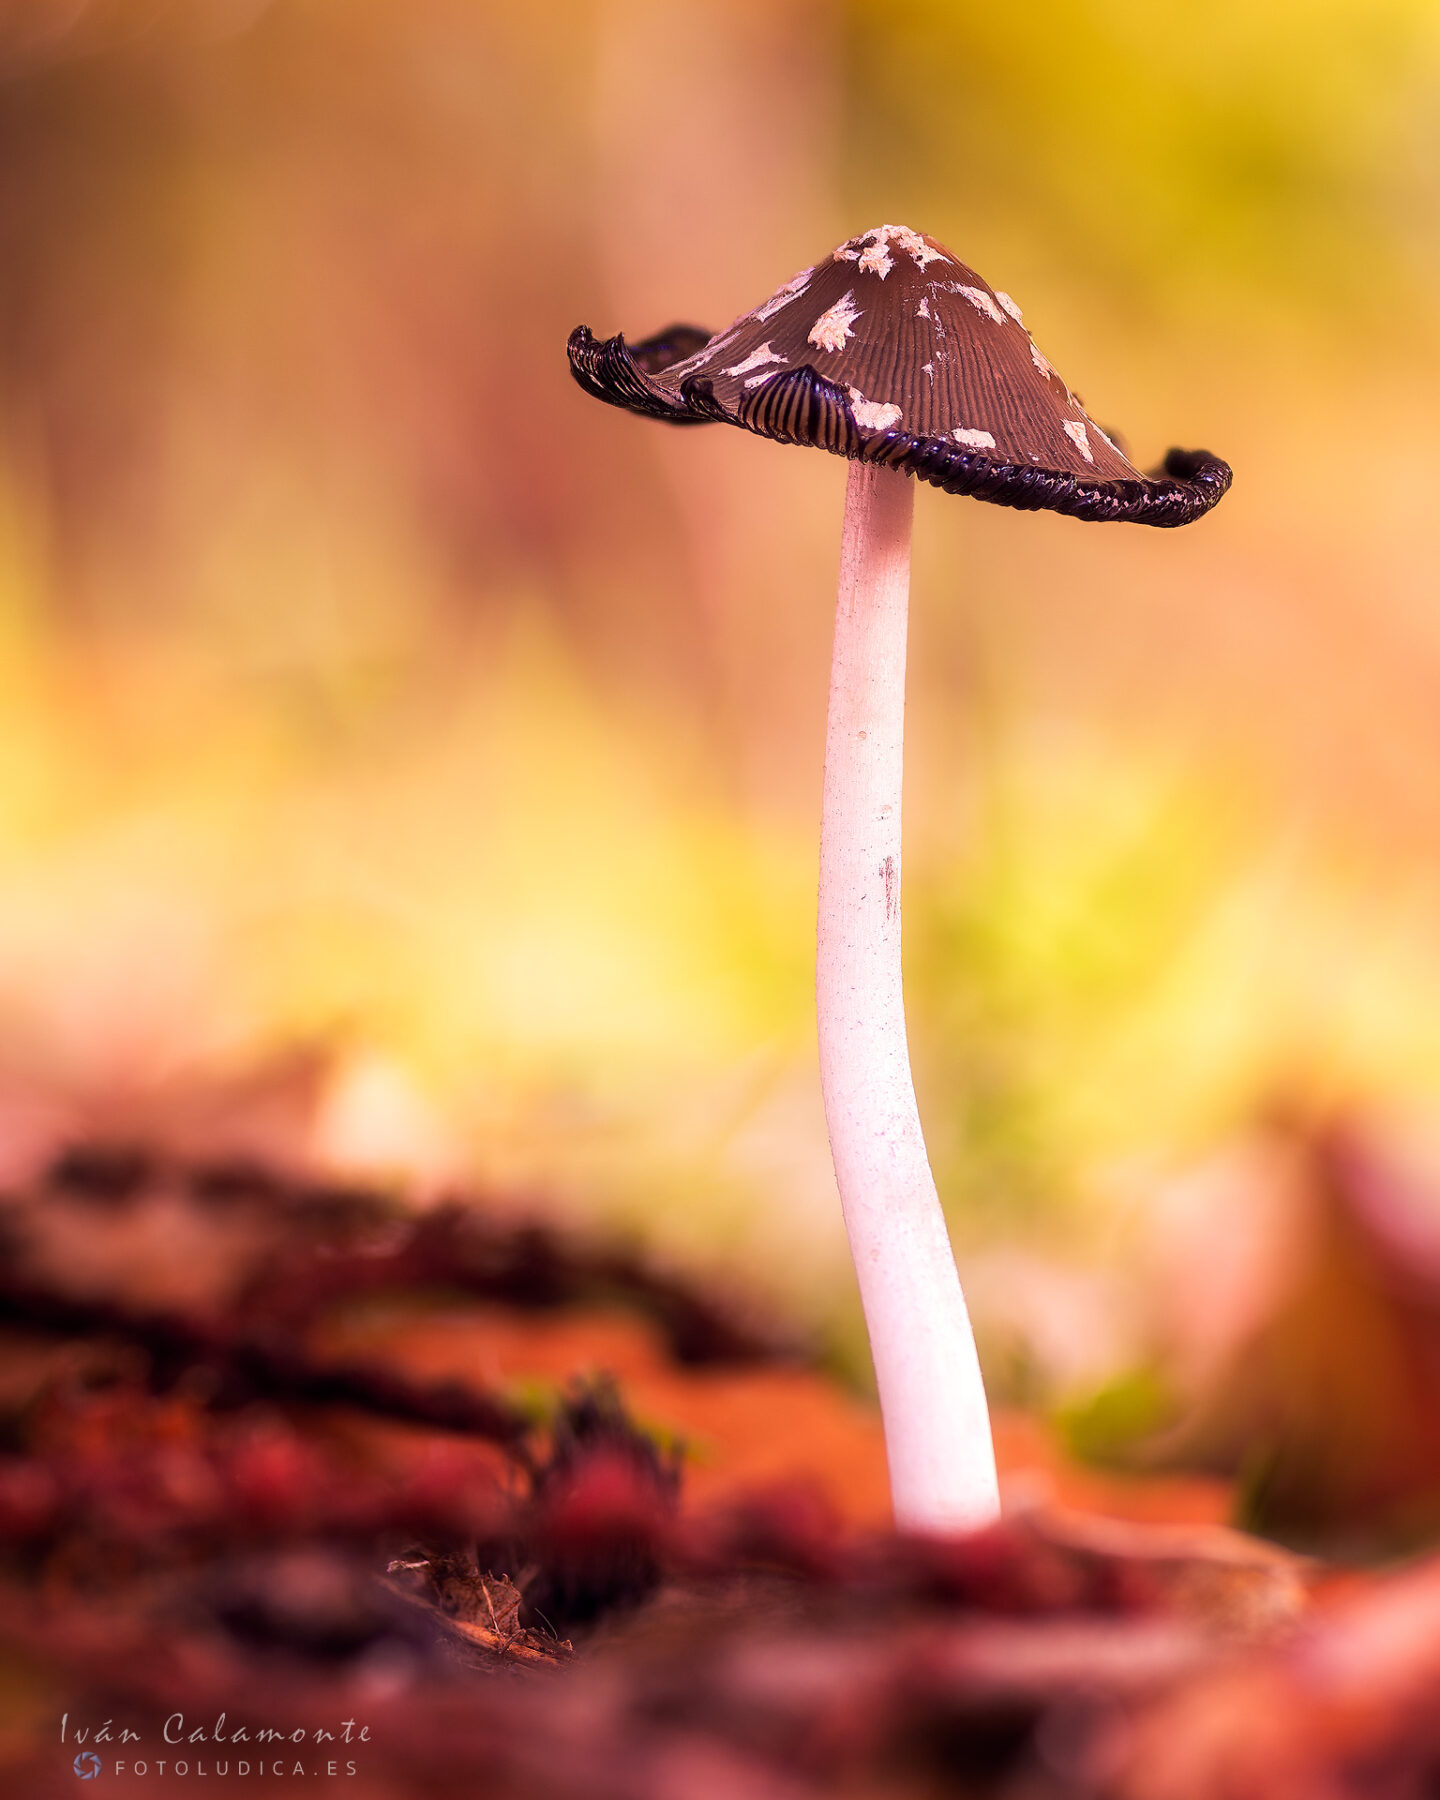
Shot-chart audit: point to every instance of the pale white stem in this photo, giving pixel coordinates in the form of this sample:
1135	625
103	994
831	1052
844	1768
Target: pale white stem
937	1426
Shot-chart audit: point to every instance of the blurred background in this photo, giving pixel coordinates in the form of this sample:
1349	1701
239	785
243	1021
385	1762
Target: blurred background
410	764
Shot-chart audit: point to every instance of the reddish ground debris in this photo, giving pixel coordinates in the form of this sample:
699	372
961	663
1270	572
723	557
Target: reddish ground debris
296	1481
1326	1408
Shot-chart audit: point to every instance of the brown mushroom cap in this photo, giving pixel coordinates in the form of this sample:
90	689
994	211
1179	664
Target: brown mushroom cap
892	351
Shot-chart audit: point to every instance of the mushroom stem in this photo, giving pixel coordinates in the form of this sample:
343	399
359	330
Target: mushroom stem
932	1399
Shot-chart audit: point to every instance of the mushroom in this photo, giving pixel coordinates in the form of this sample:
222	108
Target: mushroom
893	353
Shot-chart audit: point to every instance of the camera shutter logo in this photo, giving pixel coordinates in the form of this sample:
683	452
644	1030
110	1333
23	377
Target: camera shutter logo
87	1765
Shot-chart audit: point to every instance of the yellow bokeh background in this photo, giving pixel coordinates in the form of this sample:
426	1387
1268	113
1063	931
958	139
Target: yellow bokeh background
366	689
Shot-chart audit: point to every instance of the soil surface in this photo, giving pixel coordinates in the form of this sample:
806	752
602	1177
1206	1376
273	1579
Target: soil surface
295	1481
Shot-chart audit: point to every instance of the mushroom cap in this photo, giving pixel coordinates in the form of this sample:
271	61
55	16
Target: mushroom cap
890	350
